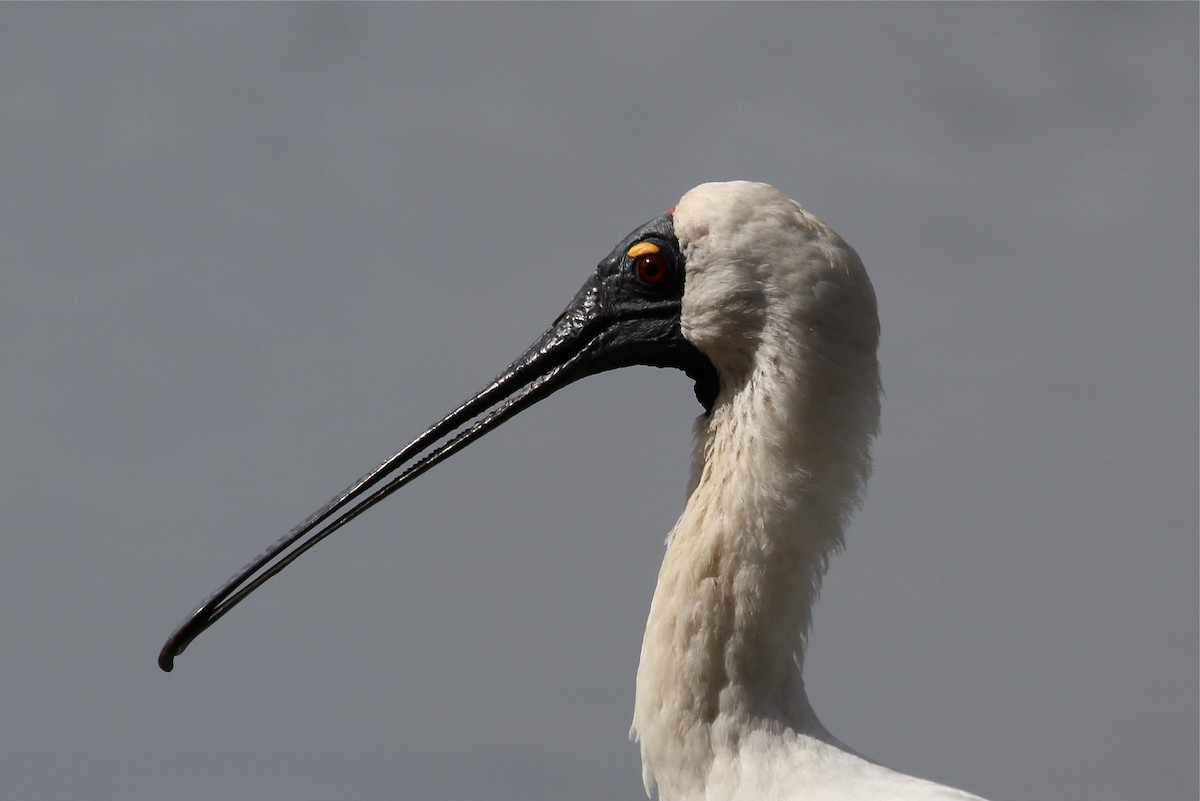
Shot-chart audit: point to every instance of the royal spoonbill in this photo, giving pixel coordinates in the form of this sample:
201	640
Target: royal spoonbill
772	315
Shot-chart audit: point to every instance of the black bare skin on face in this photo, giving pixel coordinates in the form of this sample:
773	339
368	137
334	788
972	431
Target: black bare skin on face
649	288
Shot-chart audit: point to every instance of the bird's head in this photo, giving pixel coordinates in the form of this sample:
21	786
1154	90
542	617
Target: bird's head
734	276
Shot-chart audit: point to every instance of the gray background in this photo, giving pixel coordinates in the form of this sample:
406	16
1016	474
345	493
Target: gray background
249	251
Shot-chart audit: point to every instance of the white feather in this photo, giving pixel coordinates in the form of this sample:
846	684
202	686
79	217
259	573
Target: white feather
785	311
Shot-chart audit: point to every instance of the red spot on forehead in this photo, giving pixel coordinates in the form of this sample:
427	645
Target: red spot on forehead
670	212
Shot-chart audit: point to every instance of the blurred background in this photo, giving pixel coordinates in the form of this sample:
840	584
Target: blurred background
248	251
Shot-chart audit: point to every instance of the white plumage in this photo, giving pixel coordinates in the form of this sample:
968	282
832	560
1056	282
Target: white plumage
773	316
784	310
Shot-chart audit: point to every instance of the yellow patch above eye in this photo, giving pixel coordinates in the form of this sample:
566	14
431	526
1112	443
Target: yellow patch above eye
641	249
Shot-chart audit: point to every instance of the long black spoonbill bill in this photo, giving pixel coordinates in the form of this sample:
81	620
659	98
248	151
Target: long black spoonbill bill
772	315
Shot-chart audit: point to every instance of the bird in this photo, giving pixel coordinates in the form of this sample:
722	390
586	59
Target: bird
774	318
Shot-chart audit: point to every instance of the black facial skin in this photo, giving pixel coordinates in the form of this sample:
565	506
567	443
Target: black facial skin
637	323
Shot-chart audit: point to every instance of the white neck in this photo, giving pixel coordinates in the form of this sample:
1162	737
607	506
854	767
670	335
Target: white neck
778	468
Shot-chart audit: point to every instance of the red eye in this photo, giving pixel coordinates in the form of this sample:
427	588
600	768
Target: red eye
652	269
